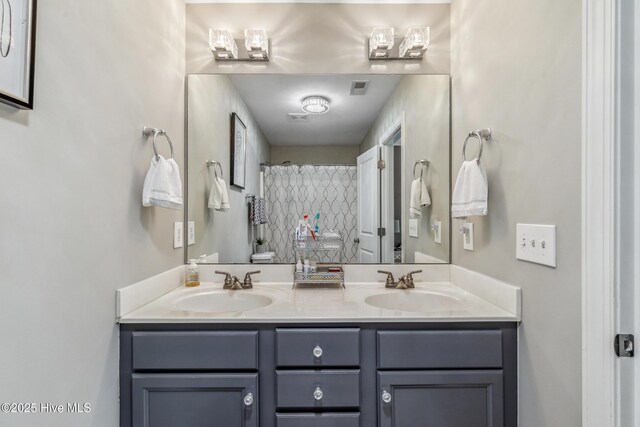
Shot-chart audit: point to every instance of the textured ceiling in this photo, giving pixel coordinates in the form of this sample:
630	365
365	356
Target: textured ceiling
272	97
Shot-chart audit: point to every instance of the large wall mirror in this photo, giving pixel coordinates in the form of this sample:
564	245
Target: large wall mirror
365	157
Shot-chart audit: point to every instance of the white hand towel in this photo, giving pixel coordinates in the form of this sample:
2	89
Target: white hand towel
162	185
419	198
218	196
471	194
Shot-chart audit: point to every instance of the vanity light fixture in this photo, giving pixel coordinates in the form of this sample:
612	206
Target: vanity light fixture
413	46
257	44
315	104
380	43
254	47
415	43
222	44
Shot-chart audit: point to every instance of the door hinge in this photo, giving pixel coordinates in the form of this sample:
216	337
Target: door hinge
382	231
381	164
623	345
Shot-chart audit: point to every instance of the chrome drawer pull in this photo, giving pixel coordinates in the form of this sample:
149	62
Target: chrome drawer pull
386	396
317	352
248	399
317	394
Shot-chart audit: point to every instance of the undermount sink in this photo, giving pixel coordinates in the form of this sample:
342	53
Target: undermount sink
415	301
223	301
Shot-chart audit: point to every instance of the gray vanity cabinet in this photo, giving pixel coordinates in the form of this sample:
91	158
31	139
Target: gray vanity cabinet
202	400
441	399
319	375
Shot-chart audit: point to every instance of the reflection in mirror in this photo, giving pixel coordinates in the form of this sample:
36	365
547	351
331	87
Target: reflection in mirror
364	157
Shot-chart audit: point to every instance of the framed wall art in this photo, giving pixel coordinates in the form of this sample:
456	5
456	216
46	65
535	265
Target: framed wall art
17	52
238	151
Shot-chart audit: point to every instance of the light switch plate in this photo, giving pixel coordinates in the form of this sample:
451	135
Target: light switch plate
536	243
467	236
178	229
191	233
437	232
413	227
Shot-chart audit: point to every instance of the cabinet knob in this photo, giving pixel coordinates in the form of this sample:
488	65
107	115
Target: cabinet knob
317	394
248	399
386	396
317	352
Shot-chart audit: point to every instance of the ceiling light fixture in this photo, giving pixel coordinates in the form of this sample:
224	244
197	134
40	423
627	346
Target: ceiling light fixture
315	104
383	44
225	48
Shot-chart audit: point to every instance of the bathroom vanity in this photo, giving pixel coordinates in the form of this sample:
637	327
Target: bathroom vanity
287	365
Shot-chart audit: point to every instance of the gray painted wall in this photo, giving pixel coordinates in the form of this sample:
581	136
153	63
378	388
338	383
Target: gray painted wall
317	38
516	68
425	103
72	225
211	99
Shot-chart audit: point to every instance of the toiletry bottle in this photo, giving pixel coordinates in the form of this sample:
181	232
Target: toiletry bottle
193	276
302	228
299	266
306	266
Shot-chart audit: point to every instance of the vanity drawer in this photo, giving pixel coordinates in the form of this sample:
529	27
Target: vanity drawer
318	420
318	347
439	349
197	350
336	389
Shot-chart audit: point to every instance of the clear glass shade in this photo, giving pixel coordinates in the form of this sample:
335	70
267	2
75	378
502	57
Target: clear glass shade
415	42
257	43
381	42
222	44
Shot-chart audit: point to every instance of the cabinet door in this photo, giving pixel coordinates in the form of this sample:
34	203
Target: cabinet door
440	399
197	400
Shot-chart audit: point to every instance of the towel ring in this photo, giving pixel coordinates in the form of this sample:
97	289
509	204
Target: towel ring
421	163
214	164
481	135
147	132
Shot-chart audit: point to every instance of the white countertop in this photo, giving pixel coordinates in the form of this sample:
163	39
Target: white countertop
437	302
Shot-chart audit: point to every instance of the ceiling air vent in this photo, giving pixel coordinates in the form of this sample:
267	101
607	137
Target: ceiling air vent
298	117
359	87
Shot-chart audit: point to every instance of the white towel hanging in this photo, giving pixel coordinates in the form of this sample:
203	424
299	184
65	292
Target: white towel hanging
471	193
162	185
218	196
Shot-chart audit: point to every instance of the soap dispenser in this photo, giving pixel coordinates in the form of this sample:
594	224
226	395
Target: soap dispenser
193	276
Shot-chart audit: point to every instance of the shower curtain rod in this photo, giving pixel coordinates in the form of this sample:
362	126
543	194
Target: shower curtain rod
308	164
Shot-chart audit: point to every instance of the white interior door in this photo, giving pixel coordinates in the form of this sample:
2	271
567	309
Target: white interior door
628	210
368	206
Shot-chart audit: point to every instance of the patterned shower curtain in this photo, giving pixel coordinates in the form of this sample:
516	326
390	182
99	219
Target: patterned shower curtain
291	191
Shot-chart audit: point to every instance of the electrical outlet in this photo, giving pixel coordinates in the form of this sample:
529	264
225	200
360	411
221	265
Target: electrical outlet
467	236
437	231
191	233
413	227
536	243
178	228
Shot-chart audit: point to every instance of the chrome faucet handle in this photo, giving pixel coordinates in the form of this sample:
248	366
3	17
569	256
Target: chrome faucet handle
228	281
390	282
409	278
247	279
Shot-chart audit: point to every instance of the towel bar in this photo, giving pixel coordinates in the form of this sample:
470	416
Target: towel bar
215	163
148	132
422	163
482	135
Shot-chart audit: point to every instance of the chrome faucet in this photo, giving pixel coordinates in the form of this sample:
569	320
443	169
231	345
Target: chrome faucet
405	281
233	283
